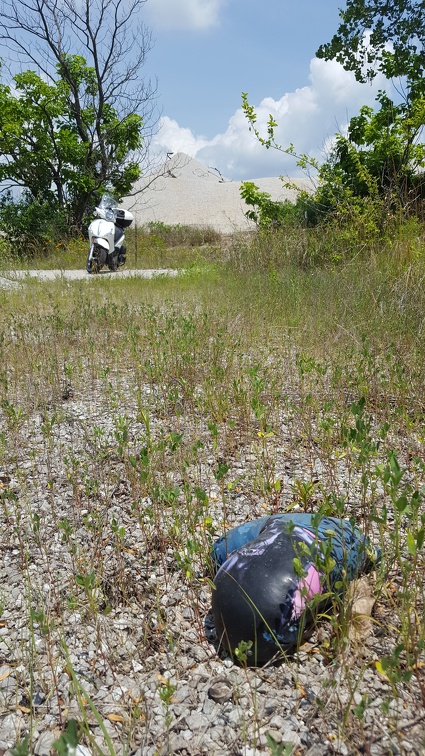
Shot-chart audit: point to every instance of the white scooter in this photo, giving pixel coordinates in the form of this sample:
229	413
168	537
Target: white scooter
106	235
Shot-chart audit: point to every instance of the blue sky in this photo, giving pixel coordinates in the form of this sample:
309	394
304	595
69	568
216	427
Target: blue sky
207	52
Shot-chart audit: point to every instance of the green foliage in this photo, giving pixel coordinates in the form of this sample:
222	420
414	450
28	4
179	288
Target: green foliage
383	151
268	213
395	46
33	227
376	171
333	198
68	741
380	158
59	146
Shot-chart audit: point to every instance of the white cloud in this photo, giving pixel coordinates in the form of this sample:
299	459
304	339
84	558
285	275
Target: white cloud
307	118
174	138
184	14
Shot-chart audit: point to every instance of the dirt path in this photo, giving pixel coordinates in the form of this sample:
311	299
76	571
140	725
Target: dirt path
12	278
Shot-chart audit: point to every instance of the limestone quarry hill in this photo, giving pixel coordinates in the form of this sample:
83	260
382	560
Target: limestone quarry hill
186	192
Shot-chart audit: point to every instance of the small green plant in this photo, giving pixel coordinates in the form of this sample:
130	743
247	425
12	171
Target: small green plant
166	691
23	748
243	651
68	740
396	667
121	434
305	493
278	749
90	584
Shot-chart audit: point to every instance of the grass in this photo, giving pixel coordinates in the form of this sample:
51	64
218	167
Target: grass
139	418
154	245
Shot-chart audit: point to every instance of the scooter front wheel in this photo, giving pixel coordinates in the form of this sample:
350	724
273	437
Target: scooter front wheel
92	266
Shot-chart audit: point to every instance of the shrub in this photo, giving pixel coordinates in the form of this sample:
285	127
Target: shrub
31	227
180	235
266	212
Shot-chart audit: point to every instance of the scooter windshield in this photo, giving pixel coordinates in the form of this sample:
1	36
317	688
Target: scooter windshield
108	202
107	207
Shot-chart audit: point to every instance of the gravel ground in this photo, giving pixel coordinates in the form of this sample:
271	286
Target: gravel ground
149	665
133	653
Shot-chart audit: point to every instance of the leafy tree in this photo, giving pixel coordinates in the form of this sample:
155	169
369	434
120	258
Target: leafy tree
45	151
77	122
386	147
378	167
382	158
394	45
381	155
